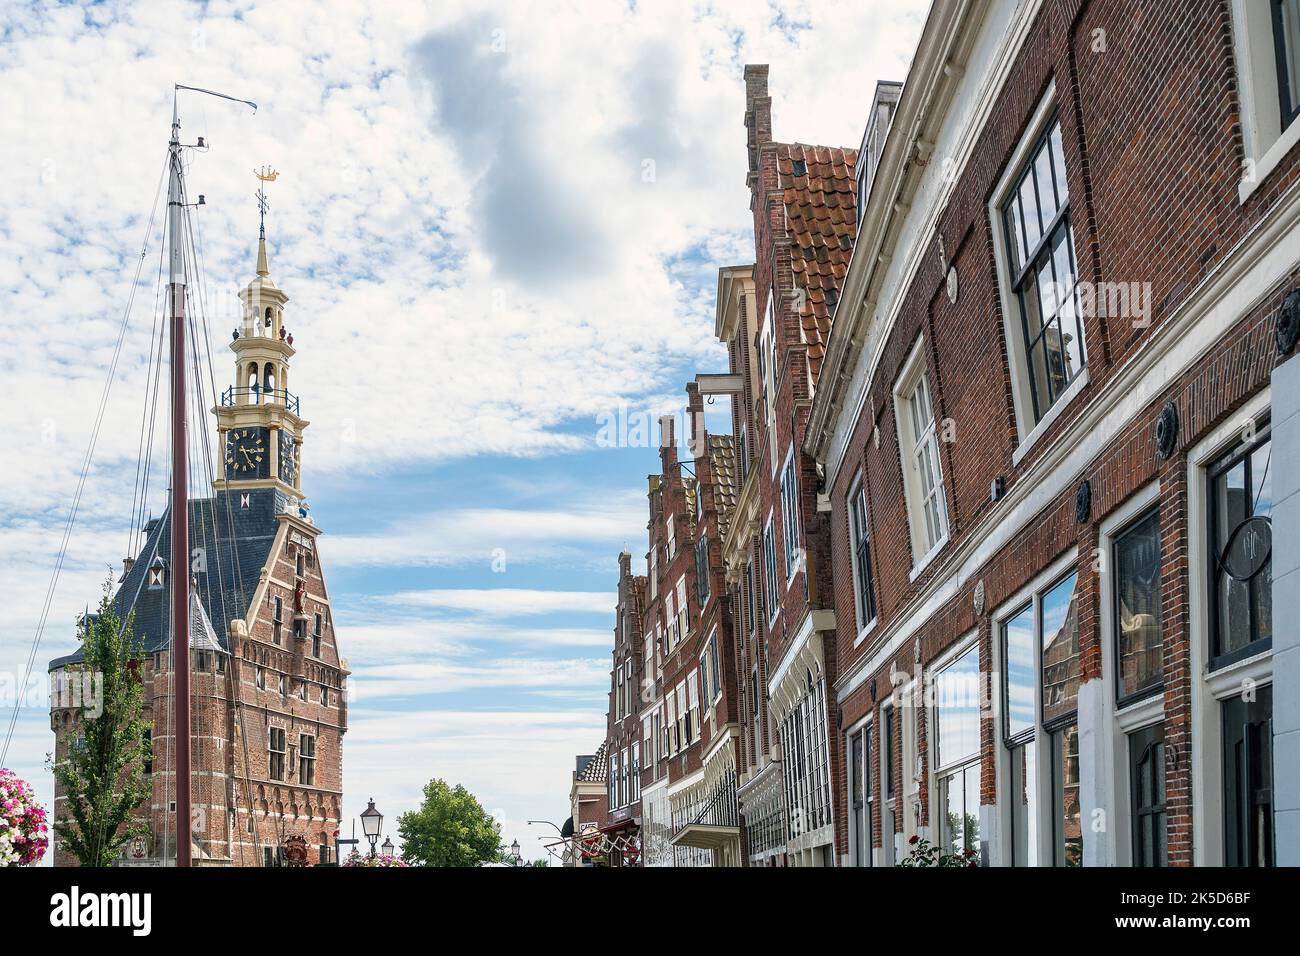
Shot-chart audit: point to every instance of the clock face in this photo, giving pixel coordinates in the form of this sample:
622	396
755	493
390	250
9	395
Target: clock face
288	457
246	452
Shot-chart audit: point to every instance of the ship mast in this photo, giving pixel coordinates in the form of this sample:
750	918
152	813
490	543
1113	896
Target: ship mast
180	511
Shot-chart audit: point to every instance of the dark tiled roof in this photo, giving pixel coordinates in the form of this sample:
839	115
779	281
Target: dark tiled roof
234	562
819	190
596	769
722	465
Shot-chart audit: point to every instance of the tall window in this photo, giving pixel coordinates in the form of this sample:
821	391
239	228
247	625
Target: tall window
277	618
715	668
1146	759
919	440
859	797
1286	43
1241	593
276	750
790	514
769	570
767	377
864	589
1043	273
1139	650
890	823
1040	646
316	628
693	714
702	570
615	773
306	760
957	698
751	600
635	778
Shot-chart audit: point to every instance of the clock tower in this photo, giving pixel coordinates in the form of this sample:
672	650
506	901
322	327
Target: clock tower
258	421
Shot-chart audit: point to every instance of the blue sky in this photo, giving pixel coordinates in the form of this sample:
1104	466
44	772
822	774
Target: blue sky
498	225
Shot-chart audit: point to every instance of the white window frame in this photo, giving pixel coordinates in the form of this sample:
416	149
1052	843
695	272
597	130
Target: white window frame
1264	140
1028	428
859	490
770	582
1031	594
910	379
671	537
1114	788
1209	690
866	727
940	772
790	539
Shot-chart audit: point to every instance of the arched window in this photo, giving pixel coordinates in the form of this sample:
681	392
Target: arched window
267	321
268	382
252	384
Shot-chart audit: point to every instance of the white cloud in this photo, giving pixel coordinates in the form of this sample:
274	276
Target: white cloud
484	535
508	602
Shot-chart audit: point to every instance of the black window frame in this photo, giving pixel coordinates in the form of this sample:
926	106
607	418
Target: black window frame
1288	111
1020	271
1121	699
1225	462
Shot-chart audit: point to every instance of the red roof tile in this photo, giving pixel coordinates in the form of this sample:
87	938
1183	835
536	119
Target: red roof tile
820	196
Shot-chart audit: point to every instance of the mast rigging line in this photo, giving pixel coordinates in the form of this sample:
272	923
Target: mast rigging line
85	471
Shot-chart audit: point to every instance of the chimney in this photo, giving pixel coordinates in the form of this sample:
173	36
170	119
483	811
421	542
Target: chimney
667	443
695	419
758	115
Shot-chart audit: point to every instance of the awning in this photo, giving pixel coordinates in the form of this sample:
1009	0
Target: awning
628	824
706	837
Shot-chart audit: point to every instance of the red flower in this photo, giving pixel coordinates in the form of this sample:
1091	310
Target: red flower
915	839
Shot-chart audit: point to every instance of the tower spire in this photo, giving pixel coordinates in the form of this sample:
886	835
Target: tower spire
264	175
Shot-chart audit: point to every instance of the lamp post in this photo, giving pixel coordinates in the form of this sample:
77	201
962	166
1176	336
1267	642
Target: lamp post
516	859
387	846
372	821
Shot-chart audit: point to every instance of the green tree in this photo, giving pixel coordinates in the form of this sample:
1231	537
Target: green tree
450	828
103	773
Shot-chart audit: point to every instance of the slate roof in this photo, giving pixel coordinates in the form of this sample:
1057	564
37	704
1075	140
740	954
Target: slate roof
234	565
722	466
596	768
819	192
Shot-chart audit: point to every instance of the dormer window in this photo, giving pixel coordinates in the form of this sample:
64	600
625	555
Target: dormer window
157	575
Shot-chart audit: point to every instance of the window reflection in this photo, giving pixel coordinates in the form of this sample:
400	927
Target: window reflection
1067	818
1137	608
1060	650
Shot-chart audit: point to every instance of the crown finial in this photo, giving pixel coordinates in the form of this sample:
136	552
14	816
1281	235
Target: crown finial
265	174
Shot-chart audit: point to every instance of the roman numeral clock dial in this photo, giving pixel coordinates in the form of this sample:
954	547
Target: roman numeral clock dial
246	455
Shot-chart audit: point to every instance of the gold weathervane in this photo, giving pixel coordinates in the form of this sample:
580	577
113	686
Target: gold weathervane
266	174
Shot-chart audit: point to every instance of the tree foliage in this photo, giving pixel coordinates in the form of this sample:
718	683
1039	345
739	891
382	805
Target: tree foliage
103	773
450	828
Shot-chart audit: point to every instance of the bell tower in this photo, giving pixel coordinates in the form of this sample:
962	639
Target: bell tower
259	419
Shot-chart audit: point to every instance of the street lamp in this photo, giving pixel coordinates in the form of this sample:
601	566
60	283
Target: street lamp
515	858
387	846
372	821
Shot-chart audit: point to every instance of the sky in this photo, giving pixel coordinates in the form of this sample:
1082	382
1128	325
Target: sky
499	226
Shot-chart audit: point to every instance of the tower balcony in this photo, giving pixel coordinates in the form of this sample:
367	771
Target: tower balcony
255	395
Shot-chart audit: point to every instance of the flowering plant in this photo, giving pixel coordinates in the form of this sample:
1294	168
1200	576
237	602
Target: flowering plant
360	859
924	853
24	835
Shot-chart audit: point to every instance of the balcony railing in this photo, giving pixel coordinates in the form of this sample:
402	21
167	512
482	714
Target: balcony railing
256	395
